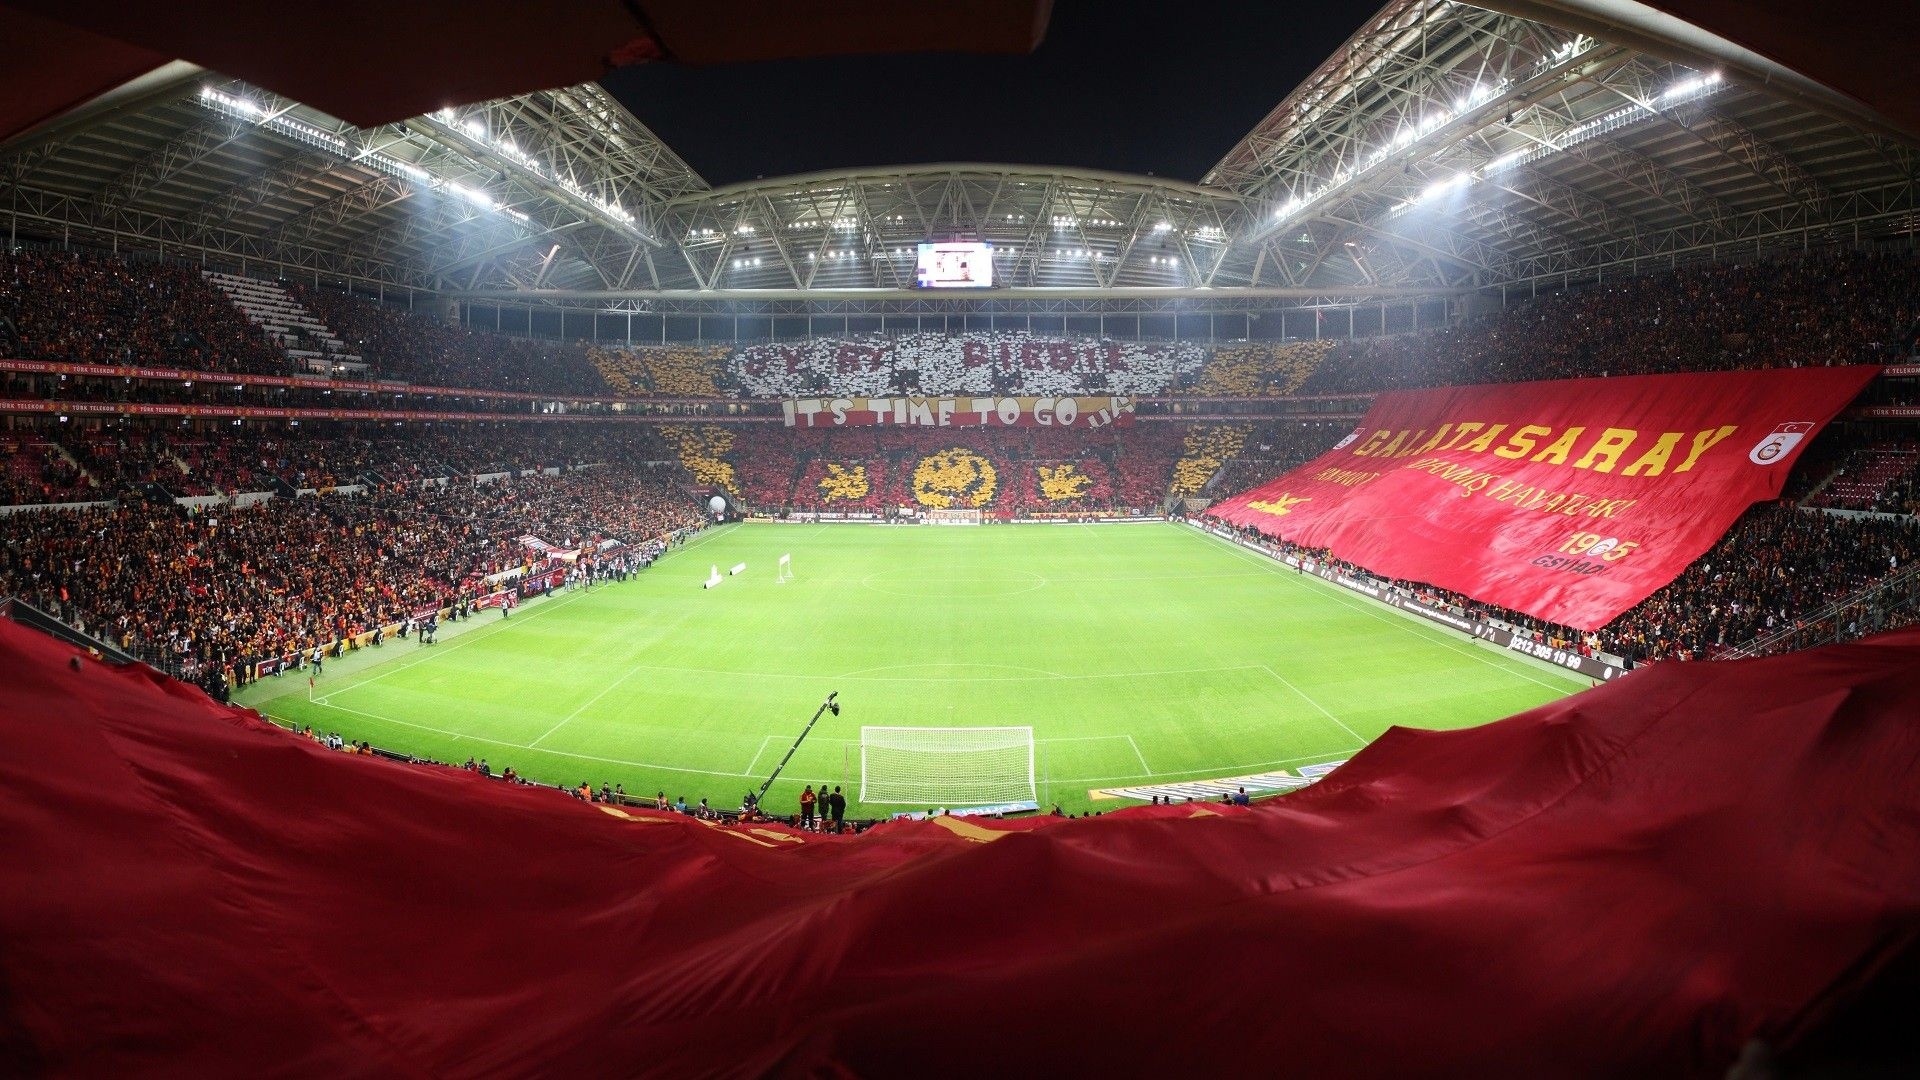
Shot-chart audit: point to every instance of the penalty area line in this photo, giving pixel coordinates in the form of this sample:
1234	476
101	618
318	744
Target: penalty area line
583	708
1288	683
548	750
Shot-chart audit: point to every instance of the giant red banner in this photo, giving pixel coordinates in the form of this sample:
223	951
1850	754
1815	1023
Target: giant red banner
1571	501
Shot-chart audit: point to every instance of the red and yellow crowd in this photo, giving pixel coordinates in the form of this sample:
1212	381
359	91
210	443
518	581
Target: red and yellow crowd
1813	311
1817	309
213	591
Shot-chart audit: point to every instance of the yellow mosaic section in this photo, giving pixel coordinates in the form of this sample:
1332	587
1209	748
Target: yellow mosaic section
1205	448
703	450
1261	368
666	371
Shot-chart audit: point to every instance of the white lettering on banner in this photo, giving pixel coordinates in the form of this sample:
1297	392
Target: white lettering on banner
940	412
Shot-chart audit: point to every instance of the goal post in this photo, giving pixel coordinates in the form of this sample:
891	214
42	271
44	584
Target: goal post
952	517
946	766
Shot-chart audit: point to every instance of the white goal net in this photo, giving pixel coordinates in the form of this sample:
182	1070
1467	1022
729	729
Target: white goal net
946	766
951	517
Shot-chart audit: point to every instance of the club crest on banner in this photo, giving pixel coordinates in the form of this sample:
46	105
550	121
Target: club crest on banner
1280	505
1778	443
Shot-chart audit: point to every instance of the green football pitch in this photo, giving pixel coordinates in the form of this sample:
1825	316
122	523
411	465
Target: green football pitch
1138	654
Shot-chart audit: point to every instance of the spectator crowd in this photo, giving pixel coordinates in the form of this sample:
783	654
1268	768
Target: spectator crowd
1814	311
212	592
224	585
976	362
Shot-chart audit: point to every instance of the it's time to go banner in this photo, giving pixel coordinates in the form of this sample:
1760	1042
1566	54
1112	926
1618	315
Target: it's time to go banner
960	412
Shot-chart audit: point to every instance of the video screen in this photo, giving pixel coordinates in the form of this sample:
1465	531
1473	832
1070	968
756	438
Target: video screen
957	264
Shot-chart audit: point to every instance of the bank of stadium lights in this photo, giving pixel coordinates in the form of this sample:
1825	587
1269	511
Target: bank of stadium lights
1409	134
843	224
1679	93
1683	91
1445	184
244	108
504	146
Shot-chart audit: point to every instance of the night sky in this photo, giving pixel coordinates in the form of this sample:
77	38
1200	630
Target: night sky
1161	88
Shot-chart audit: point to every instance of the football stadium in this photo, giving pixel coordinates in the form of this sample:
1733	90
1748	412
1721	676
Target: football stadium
667	539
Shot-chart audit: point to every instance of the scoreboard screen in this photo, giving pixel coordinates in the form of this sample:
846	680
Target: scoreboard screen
956	264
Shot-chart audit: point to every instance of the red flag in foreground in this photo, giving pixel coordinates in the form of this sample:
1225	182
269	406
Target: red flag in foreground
1634	881
1571	500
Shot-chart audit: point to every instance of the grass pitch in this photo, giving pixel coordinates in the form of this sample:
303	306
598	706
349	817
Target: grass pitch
1138	653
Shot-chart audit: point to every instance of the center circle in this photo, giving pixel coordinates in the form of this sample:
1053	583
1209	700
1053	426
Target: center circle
903	583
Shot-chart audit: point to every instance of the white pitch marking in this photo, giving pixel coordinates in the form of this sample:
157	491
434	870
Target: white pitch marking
755	759
1435	636
1288	683
464	639
556	753
589	704
908	667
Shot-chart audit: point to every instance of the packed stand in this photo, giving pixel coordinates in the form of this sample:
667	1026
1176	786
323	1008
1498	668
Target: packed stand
1776	566
1814	311
1205	448
672	371
1275	449
212	593
1009	472
703	453
97	309
998	362
1260	369
420	349
172	462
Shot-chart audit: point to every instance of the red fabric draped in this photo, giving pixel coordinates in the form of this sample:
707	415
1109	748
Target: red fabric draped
1632	881
1570	500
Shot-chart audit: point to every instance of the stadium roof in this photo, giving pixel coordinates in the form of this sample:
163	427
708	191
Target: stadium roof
1443	148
